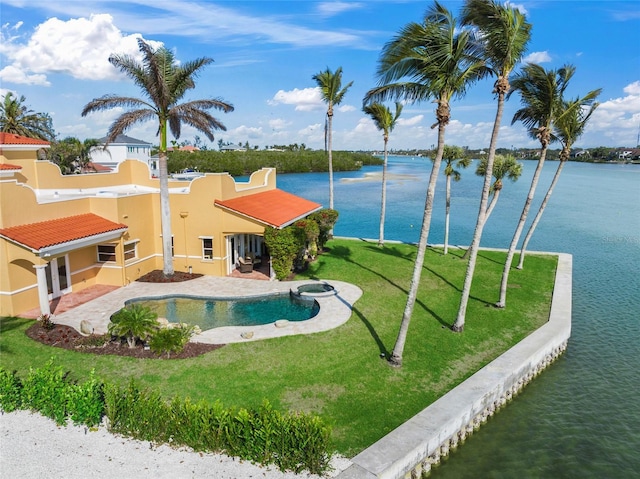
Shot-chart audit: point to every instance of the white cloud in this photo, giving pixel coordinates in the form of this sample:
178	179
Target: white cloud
347	108
278	124
537	57
623	112
518	7
79	47
307	99
632	89
244	131
329	9
414	120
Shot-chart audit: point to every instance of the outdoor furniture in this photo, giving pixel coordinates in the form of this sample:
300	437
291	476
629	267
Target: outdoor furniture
245	265
255	260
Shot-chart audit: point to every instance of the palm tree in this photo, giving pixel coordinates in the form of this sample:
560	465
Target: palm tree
385	121
505	34
16	118
454	158
72	155
164	83
503	166
541	92
571	120
332	93
437	61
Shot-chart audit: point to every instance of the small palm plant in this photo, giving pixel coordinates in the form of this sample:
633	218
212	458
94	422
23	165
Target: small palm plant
133	322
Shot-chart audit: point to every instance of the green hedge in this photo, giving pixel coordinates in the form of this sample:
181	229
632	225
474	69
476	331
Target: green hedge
242	163
292	441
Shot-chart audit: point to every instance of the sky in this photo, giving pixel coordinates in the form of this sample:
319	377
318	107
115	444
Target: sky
266	53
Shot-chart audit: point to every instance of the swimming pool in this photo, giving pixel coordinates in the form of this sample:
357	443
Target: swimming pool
208	313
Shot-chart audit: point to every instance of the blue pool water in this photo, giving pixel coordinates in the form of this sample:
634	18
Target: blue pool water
209	313
580	418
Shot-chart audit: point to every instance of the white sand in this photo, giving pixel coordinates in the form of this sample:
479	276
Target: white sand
32	446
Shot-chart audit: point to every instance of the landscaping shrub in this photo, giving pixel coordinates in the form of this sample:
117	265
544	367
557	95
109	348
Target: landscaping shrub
172	339
326	219
45	390
134	322
10	391
283	246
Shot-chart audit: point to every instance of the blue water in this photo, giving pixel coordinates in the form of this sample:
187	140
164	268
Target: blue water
209	313
581	418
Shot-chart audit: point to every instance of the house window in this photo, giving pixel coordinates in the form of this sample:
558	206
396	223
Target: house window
207	248
131	250
106	252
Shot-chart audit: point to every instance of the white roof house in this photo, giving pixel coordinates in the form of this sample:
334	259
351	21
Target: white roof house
123	148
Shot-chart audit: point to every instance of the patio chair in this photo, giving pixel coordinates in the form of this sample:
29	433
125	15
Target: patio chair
245	265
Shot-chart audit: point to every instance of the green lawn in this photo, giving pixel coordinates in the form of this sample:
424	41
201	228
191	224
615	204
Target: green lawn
339	374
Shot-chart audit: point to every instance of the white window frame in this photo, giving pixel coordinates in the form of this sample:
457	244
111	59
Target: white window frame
111	254
128	248
204	248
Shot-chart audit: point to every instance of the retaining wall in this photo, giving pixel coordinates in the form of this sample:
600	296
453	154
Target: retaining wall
416	445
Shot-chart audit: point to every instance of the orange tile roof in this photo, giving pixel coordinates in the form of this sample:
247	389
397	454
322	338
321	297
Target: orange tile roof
7	166
11	139
61	230
274	207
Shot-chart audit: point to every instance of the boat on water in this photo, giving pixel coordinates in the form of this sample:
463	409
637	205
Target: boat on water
187	174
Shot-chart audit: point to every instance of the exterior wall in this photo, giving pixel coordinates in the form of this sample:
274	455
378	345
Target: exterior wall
40	193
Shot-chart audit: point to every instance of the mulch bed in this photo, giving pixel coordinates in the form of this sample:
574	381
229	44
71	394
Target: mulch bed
157	276
67	337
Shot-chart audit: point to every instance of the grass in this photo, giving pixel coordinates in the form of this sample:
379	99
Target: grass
339	374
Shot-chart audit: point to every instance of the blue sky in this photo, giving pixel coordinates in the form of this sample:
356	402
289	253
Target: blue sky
55	54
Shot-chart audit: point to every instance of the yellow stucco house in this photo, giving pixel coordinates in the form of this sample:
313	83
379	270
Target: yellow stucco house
60	234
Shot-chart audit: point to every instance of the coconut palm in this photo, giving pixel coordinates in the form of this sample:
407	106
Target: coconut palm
541	92
332	93
504	166
16	118
505	34
571	120
433	60
385	121
164	82
454	158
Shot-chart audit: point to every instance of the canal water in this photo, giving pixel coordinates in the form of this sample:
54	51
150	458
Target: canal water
581	418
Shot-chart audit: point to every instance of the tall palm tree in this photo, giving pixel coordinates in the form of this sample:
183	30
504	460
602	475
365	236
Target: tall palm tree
505	32
16	118
332	93
541	92
385	121
454	158
436	60
164	83
571	120
504	166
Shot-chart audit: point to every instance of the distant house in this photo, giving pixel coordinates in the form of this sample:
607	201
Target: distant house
580	154
232	148
123	148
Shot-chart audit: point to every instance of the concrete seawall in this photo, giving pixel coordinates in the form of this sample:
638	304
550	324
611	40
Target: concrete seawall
416	445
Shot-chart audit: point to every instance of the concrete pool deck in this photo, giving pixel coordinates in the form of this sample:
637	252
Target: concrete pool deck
335	309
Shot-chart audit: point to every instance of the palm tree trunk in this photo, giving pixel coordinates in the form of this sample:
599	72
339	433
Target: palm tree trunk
330	138
446	214
396	356
383	207
165	209
472	252
492	205
536	220
516	235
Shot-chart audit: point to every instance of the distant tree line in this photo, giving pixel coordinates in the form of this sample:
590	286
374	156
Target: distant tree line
242	163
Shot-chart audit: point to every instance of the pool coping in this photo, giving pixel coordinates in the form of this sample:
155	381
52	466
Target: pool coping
335	309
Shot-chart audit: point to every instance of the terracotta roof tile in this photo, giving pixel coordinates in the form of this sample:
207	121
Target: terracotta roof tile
7	166
61	230
274	207
11	139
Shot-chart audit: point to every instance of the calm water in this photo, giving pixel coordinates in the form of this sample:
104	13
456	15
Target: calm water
581	418
209	313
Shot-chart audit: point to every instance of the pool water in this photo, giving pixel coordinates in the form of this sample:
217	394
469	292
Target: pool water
209	313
